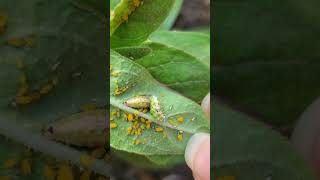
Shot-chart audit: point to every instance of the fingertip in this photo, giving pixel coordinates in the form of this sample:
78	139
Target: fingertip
206	104
197	155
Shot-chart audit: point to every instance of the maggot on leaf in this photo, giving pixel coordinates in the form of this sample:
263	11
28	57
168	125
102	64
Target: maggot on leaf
142	133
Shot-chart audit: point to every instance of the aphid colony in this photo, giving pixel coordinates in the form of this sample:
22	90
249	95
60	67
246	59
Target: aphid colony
54	169
134	4
27	41
119	89
63	170
138	125
25	95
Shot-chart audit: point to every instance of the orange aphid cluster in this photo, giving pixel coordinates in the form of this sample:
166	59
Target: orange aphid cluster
53	169
27	41
119	89
24	94
135	4
137	124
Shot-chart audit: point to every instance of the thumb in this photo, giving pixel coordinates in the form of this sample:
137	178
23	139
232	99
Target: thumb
197	155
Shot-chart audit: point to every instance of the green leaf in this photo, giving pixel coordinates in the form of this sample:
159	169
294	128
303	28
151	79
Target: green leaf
61	59
266	53
131	25
114	3
162	148
246	149
162	62
171	19
197	44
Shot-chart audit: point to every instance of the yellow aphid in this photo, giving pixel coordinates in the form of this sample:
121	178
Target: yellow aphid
148	124
48	172
137	142
16	42
226	178
46	89
23	100
98	153
88	107
159	129
22	91
35	96
25	166
20	63
85	175
118	91
136	3
9	163
129	129
125	18
180	119
28	41
3	23
138	132
113	125
180	136
133	132
65	172
5	178
130	117
115	74
135	125
171	122
143	120
86	161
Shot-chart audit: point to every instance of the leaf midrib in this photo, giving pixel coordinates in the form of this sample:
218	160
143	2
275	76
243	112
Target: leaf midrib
146	116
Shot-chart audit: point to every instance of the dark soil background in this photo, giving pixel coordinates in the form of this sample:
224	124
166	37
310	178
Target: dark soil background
194	14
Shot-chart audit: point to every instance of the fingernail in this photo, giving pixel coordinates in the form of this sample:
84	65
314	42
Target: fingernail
198	145
206	104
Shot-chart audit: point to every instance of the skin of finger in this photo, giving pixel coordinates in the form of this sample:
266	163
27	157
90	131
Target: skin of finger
201	164
206	104
201	170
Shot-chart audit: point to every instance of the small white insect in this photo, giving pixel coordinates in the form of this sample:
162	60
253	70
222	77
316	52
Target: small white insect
155	108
